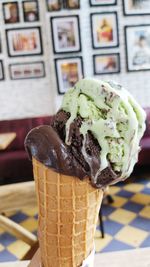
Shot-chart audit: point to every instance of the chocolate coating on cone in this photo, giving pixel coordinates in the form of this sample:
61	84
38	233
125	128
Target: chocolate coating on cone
44	144
47	145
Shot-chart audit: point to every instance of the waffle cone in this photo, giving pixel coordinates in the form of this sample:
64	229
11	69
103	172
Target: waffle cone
68	212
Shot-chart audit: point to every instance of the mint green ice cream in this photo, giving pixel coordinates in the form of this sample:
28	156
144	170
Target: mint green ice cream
113	117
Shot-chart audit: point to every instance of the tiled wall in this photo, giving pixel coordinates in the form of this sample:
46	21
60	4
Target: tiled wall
25	98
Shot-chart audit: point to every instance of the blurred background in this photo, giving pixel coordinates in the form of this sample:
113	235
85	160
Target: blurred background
45	48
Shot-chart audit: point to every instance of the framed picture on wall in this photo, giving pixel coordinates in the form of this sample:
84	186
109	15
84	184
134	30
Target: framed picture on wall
24	42
136	7
106	63
138	47
53	5
68	72
11	12
1	71
73	4
102	2
30	11
104	27
27	70
66	34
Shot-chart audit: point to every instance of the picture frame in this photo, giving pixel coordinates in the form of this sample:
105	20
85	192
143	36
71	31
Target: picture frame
27	70
104	29
30	11
73	4
53	5
68	71
24	41
103	2
106	63
65	34
137	43
136	7
11	12
1	71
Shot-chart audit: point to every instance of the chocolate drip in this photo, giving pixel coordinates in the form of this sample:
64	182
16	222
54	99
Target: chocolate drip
47	144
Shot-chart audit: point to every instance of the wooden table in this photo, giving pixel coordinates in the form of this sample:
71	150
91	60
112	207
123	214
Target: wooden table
130	258
6	139
15	264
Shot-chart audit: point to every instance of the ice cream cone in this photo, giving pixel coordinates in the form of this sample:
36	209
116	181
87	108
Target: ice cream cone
68	212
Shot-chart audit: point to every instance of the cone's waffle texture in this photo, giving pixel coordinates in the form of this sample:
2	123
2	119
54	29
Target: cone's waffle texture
68	212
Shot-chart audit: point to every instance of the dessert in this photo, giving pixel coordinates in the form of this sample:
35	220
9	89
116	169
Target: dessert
93	142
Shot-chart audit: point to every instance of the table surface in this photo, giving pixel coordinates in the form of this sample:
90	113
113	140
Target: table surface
6	139
130	258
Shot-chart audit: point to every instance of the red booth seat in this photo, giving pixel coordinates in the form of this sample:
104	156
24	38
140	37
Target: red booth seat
144	156
14	163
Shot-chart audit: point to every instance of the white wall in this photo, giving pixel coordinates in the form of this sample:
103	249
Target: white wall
32	97
26	98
